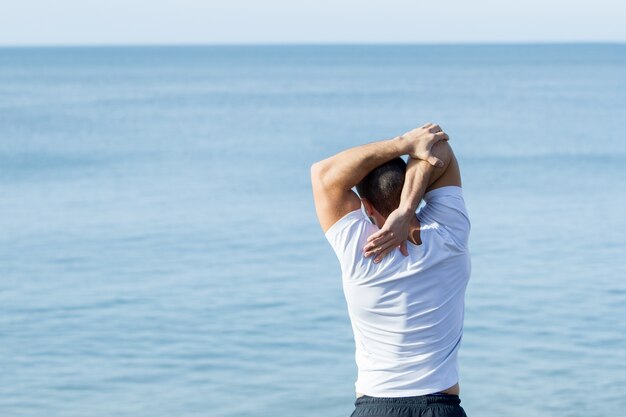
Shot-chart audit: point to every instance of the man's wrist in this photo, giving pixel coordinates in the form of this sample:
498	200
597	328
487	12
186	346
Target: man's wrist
402	145
405	210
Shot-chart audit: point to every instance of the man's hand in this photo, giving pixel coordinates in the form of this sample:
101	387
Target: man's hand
395	232
421	140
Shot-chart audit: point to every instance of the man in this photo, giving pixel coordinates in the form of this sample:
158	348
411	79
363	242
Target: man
406	306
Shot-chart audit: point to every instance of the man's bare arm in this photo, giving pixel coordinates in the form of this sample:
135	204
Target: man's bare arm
420	178
333	178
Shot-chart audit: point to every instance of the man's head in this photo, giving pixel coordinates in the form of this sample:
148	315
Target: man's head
381	189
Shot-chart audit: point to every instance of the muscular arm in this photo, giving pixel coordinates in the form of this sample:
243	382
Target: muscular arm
421	177
333	178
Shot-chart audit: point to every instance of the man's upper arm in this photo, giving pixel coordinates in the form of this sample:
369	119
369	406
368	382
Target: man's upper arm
444	199
331	202
450	174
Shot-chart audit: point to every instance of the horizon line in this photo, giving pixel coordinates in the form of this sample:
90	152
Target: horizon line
249	44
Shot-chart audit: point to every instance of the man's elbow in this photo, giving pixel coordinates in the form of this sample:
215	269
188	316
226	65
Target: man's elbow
322	177
318	171
443	151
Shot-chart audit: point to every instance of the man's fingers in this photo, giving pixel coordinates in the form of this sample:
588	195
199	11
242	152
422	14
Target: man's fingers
377	235
376	242
433	128
434	161
378	249
373	249
375	246
385	252
382	255
382	250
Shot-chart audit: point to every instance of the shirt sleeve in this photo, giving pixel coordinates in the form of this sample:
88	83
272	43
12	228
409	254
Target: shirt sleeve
347	238
445	210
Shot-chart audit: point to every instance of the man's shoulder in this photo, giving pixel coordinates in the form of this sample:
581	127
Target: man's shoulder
348	230
445	206
350	219
347	237
446	191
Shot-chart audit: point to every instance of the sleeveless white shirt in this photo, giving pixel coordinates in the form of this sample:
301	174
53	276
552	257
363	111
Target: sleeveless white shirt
407	312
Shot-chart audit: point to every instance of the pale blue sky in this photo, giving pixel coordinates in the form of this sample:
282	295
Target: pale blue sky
39	22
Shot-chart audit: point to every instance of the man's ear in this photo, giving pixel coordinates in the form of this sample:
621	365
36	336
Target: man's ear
369	209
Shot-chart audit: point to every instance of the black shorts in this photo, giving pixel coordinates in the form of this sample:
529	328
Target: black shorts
437	405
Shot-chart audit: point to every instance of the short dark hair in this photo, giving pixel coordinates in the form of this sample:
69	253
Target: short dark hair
383	186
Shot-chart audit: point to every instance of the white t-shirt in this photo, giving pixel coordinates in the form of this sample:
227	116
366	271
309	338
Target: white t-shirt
407	312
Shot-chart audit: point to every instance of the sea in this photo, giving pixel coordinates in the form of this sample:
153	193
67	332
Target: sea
160	253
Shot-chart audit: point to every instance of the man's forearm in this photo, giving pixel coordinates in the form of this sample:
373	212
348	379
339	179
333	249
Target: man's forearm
420	175
347	168
416	181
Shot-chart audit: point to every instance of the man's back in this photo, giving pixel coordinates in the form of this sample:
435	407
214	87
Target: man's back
407	312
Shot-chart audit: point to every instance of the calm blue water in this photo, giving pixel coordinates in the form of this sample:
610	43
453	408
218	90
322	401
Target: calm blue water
160	255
